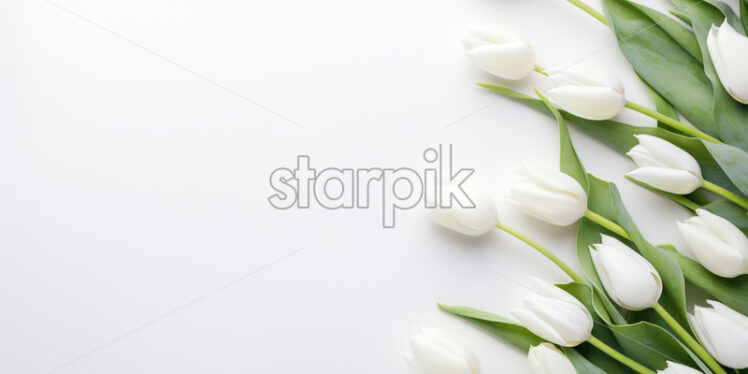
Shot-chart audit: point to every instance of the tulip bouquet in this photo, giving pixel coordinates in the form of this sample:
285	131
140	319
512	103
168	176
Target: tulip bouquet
627	311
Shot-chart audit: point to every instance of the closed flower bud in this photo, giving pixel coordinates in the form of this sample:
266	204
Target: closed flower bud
433	353
729	52
716	244
474	221
500	52
555	315
676	368
547	359
664	166
629	279
550	196
723	332
587	94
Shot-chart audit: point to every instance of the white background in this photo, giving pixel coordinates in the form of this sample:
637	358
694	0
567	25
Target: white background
137	138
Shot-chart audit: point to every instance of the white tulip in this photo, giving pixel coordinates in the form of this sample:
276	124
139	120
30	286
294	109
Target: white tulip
676	368
716	243
664	166
629	279
434	353
468	221
555	315
723	332
500	52
547	359
729	52
587	94
548	195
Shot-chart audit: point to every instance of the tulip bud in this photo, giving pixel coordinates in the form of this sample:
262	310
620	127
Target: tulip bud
589	94
550	196
723	332
500	52
433	353
474	221
664	166
547	359
716	243
629	279
555	315
676	368
729	52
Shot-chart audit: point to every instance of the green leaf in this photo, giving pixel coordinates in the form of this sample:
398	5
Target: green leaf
651	345
496	325
581	364
620	136
730	117
682	35
744	14
731	212
569	161
732	292
733	161
661	105
662	62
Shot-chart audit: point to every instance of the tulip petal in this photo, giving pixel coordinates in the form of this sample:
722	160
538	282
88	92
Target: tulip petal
725	339
729	53
435	358
594	103
711	252
537	326
551	196
513	60
669	180
474	221
572	76
726	231
676	368
547	359
571	323
630	280
669	154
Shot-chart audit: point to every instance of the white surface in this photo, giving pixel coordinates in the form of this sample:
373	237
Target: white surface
133	191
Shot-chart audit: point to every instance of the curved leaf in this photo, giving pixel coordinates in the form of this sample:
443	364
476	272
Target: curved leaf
581	364
662	62
682	35
651	345
569	161
734	161
496	325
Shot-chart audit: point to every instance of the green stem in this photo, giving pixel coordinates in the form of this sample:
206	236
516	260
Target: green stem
540	70
618	356
544	251
608	224
729	195
680	126
598	16
682	200
686	337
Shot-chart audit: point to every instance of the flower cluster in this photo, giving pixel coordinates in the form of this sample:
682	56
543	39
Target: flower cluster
629	303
